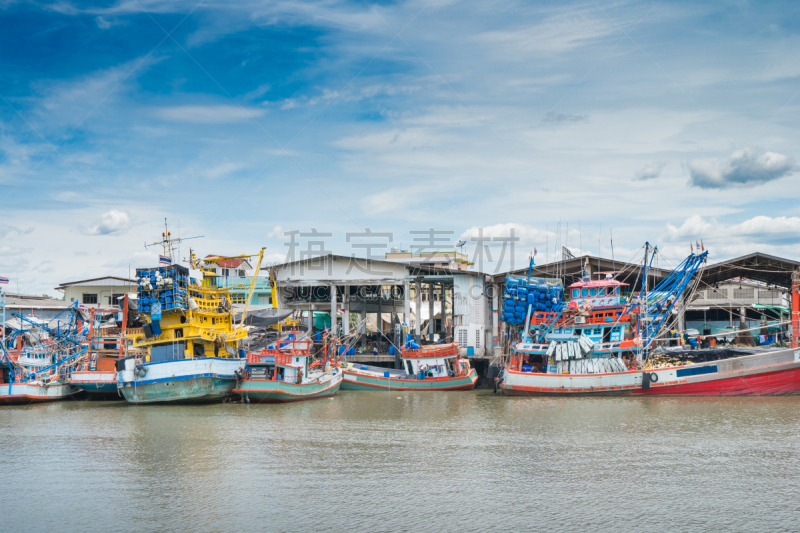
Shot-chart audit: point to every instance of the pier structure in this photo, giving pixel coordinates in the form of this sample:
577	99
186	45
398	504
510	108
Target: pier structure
435	301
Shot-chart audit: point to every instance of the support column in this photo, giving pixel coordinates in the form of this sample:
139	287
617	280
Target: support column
406	304
380	313
496	315
430	312
333	307
442	313
417	307
362	319
346	307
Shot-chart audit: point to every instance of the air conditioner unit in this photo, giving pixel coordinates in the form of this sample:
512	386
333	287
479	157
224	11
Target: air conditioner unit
580	320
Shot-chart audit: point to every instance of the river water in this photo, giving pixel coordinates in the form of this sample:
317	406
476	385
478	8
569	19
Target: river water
427	461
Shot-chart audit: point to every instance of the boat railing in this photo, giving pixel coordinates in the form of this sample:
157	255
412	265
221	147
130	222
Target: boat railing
283	353
447	350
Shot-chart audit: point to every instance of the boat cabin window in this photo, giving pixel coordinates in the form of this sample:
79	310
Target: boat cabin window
616	291
576	293
584	292
592	292
409	367
597	331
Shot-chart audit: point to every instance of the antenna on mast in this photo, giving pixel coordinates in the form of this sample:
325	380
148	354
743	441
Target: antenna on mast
167	243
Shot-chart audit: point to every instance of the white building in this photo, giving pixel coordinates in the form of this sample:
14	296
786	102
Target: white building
97	292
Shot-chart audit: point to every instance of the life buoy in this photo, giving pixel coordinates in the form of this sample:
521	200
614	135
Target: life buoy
653	377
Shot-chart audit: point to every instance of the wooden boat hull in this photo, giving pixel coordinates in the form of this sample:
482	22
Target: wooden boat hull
772	373
24	393
358	381
205	379
266	391
95	382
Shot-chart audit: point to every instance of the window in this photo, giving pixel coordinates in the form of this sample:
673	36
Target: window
769	294
616	291
239	298
592	292
115	299
241	273
584	292
409	367
576	293
717	294
225	272
743	293
90	298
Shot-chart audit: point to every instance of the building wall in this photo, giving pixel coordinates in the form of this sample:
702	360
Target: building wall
74	293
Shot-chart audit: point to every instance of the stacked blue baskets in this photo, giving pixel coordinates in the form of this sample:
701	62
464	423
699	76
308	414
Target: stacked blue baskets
541	295
166	285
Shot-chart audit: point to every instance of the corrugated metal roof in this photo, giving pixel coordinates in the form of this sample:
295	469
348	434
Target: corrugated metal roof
106	281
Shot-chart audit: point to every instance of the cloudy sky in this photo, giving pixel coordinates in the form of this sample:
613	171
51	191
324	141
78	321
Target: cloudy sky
666	122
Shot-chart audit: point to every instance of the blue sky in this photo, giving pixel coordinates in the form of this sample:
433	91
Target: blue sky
667	121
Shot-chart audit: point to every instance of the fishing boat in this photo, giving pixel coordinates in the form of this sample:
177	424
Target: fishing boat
38	366
435	367
288	374
575	364
191	342
107	343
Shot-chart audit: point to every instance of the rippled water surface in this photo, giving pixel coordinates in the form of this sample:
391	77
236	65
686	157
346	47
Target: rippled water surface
374	461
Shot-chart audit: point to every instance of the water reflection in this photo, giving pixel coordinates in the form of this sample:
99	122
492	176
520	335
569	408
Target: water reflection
395	461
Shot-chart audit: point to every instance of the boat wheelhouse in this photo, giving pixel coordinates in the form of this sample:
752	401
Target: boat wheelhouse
288	373
436	367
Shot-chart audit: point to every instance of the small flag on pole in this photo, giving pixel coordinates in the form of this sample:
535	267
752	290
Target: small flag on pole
696	245
702	246
3	281
691	247
164	260
535	251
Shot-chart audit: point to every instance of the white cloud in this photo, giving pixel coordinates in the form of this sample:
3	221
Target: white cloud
650	171
558	34
564	117
276	233
112	222
222	170
759	230
210	114
744	168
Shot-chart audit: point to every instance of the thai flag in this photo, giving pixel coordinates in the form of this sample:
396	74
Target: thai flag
3	281
164	260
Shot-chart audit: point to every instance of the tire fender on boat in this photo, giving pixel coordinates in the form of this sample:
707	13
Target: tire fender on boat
140	371
653	377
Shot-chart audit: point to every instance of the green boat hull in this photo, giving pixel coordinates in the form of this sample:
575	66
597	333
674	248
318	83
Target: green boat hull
263	391
356	381
192	389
